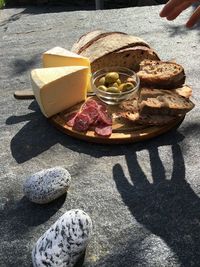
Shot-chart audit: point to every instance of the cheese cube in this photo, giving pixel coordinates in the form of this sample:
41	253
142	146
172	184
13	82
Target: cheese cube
58	57
59	88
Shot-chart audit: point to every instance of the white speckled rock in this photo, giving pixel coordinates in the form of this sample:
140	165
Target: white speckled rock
47	185
64	242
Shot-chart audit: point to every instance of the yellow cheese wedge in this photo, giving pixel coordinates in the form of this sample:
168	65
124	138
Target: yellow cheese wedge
59	88
58	57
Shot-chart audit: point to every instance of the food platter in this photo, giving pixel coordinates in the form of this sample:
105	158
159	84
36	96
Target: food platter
123	131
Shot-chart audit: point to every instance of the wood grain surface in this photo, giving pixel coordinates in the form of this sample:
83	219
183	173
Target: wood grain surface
123	131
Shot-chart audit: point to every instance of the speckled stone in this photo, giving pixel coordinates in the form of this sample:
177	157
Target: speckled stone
47	185
64	242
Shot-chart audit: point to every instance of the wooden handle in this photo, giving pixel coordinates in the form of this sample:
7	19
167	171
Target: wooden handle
24	94
28	94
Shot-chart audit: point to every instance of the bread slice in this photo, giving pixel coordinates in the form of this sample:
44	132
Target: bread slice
89	38
163	102
160	74
129	110
132	104
155	120
128	57
109	44
184	90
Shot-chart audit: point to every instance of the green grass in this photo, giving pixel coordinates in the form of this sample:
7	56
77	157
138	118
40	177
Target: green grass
2	3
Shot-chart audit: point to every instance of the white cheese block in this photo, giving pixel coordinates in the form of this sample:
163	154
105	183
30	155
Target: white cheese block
58	57
59	88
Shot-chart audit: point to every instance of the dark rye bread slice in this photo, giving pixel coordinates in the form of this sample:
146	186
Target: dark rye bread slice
111	43
163	102
128	57
129	111
184	91
155	120
132	104
161	74
89	38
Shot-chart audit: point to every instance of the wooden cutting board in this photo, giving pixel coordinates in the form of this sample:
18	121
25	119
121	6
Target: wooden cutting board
123	131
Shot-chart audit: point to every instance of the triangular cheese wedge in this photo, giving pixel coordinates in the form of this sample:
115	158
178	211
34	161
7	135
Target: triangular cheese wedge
58	57
59	88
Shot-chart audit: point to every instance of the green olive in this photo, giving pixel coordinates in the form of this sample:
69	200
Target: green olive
113	90
113	85
126	86
118	81
121	86
111	77
102	88
102	81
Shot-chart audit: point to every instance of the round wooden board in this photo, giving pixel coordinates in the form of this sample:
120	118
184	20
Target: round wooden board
121	134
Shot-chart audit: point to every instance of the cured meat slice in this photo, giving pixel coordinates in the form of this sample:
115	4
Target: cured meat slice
70	118
81	122
92	113
103	130
104	117
90	102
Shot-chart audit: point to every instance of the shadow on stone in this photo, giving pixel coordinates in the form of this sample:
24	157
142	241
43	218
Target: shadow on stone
18	217
167	208
21	66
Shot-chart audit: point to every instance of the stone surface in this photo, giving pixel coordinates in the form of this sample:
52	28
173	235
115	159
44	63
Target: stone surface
65	242
143	198
47	185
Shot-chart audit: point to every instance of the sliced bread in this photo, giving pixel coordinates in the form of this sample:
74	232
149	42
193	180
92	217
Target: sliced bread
109	44
184	90
161	74
163	102
132	104
89	38
128	57
155	120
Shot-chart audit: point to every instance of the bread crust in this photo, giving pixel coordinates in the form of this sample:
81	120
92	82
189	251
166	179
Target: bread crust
128	57
106	45
159	113
88	39
163	102
161	74
84	39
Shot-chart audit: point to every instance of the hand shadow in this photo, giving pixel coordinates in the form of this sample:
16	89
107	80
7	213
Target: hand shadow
167	208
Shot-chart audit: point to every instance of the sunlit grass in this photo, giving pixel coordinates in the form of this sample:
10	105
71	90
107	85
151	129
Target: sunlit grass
2	3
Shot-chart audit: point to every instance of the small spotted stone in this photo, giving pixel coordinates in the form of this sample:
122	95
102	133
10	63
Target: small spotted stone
64	242
47	185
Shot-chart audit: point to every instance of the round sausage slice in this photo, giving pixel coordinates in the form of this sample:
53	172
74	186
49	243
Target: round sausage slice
81	122
103	130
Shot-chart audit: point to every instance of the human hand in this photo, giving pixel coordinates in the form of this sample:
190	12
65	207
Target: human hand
173	8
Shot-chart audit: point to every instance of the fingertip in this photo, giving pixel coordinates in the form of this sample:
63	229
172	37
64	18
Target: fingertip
162	13
189	24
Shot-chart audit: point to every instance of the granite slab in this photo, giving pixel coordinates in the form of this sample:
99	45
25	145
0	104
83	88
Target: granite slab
143	198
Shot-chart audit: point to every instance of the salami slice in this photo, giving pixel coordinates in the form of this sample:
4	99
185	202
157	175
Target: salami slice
92	113
70	118
102	106
103	130
81	122
90	103
104	117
